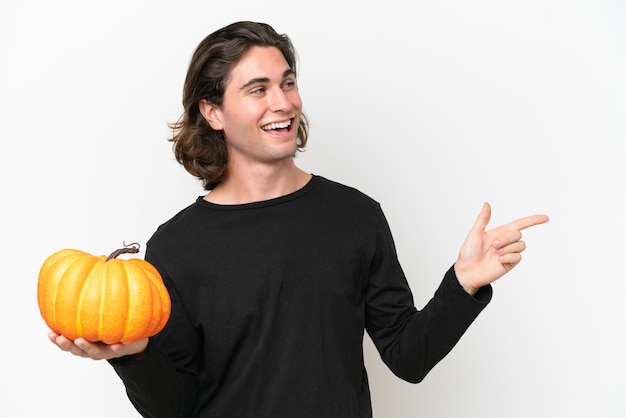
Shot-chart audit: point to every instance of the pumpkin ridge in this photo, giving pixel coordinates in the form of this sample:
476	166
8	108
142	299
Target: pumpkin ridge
153	299
128	306
112	315
149	326
162	297
52	311
43	286
165	303
156	297
103	296
74	260
55	293
57	261
79	303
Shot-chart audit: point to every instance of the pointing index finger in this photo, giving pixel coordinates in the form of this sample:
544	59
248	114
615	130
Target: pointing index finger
528	221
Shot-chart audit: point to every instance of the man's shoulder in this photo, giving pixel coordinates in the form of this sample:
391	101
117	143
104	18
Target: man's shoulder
181	221
344	191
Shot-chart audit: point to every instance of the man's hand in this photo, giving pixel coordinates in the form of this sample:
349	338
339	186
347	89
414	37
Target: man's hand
487	255
97	351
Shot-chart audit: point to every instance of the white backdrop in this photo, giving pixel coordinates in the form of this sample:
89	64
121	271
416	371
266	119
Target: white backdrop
429	107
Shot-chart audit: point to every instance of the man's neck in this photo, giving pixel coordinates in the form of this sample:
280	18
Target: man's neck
258	183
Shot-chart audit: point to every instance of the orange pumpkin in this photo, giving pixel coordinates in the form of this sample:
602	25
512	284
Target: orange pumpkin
102	298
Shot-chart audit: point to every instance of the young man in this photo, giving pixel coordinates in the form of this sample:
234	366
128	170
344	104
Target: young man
275	273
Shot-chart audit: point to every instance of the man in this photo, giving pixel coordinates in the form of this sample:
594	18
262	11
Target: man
276	273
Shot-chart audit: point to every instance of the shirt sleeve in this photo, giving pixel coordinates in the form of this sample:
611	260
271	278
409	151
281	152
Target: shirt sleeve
162	381
411	341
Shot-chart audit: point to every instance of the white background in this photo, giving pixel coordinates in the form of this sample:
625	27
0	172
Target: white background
430	107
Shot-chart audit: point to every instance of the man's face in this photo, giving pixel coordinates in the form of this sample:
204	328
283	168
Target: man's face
261	109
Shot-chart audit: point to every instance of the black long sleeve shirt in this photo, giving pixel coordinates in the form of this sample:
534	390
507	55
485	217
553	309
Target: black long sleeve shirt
270	301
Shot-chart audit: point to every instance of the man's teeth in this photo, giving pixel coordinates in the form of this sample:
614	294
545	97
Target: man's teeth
277	125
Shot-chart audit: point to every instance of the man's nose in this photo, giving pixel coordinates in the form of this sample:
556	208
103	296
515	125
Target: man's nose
279	100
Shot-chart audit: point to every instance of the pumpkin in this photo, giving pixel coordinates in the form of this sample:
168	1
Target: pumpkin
102	298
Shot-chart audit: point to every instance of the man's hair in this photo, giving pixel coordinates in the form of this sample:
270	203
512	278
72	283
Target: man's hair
198	147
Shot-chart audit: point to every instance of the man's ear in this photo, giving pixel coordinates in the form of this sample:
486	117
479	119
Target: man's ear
211	114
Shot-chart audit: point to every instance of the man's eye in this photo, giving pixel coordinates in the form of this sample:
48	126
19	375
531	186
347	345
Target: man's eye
289	84
258	90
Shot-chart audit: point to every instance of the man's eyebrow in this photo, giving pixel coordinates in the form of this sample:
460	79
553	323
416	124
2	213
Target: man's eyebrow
261	80
289	72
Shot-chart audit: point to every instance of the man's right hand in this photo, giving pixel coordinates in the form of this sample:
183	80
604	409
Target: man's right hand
98	350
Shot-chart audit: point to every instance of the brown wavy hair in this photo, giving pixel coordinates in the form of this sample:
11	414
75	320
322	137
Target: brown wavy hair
198	147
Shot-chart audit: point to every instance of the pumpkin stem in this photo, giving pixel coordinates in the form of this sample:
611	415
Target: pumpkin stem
132	248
